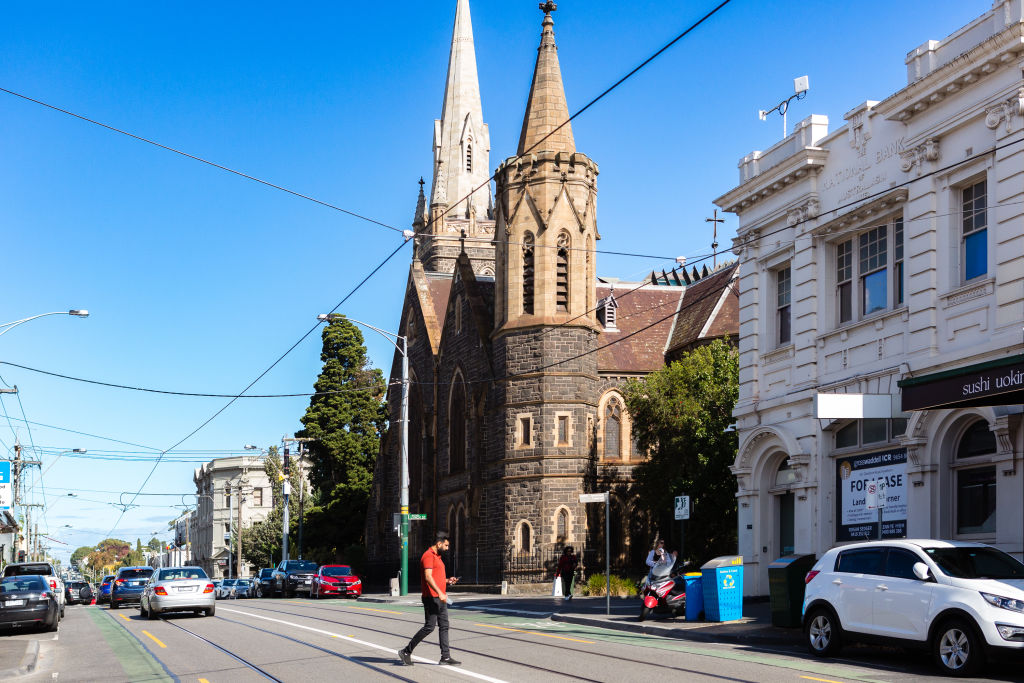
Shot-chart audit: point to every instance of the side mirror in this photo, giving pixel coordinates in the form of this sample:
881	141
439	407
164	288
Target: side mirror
921	571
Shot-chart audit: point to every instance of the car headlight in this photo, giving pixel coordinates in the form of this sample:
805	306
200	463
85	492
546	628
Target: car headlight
356	582
1011	604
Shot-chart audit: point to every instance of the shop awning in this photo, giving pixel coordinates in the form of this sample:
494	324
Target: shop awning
994	383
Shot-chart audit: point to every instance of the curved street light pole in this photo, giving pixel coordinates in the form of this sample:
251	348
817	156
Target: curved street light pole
7	327
403	349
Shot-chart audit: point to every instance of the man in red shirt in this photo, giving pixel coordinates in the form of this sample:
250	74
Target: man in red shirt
435	601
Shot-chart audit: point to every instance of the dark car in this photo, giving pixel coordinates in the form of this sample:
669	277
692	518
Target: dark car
293	576
265	583
336	579
27	600
77	593
128	585
104	592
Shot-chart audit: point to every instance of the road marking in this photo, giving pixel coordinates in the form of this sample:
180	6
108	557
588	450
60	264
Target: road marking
154	639
375	646
124	617
546	635
823	680
203	680
484	608
368	609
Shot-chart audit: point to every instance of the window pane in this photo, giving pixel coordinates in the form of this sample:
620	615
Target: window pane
874	430
899	426
873	249
900	564
784	325
977	440
784	287
563	429
874	291
976	501
846	302
897	282
844	261
974	208
897	238
976	254
847	436
867	561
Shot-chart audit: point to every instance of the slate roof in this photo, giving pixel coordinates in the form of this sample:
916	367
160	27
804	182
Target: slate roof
644	320
699	304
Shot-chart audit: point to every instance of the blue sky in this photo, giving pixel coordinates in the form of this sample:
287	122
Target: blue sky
197	279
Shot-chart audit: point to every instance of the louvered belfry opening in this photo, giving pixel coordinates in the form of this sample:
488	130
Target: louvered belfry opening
562	275
528	274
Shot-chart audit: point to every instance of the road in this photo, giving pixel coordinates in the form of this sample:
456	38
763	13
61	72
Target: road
303	640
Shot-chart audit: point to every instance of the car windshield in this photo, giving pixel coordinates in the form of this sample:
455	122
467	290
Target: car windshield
78	584
228	582
128	574
11	584
181	573
299	565
336	571
28	570
976	563
266	573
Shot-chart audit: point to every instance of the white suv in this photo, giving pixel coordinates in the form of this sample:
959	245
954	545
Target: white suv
956	599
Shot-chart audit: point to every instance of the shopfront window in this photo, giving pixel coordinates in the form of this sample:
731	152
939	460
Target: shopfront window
869	432
976	481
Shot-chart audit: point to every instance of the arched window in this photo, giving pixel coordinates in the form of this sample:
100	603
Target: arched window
976	481
457	428
612	428
562	526
524	538
528	273
562	274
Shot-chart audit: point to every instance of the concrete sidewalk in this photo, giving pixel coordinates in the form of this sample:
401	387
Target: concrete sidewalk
17	657
754	628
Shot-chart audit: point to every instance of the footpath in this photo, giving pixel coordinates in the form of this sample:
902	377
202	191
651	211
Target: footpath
755	628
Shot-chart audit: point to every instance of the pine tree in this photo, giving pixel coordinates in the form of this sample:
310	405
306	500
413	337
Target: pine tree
347	418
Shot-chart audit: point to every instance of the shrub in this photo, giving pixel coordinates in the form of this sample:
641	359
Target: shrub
621	587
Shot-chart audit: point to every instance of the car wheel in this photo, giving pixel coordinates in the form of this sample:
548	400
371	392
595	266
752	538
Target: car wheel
150	614
52	626
62	611
822	632
956	648
645	613
113	605
211	611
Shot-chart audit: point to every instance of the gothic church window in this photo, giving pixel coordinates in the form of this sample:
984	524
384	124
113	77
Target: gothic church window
457	428
528	273
612	428
562	274
562	526
469	156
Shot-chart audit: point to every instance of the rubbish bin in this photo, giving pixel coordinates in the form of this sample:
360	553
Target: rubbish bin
722	580
786	587
694	596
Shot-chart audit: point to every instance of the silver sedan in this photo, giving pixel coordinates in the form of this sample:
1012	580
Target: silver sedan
178	589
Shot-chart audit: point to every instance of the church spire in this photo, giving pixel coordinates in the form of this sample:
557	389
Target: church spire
546	109
462	141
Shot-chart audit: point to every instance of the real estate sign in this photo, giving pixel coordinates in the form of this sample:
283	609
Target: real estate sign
855	476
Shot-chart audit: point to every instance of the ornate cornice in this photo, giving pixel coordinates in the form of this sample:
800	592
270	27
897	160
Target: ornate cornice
858	215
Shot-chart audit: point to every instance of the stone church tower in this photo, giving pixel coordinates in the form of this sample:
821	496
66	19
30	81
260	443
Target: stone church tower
545	333
460	196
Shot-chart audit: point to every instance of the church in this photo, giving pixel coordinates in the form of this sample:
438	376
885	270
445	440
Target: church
517	349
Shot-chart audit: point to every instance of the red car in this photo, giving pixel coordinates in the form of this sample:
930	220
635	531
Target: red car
336	579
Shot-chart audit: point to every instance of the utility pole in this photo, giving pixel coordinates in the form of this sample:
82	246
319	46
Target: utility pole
288	489
231	514
238	536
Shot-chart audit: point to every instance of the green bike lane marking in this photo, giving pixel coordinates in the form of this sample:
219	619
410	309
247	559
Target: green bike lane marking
138	662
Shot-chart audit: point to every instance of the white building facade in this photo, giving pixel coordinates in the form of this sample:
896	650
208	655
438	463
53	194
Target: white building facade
884	261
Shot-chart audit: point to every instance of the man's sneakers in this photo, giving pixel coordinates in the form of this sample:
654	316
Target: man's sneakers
405	656
449	661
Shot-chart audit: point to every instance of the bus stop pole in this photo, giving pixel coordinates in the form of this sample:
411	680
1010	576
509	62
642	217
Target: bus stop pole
607	558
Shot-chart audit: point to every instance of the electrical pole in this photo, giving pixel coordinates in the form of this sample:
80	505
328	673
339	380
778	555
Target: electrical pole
238	534
231	514
287	490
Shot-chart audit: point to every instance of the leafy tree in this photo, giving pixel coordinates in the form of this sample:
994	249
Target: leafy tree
681	416
109	552
155	545
79	554
347	418
261	542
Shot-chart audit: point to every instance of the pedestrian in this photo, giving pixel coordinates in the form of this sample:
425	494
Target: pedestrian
567	571
659	555
435	601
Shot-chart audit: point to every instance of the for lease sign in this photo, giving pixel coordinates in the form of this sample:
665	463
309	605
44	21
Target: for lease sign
855	475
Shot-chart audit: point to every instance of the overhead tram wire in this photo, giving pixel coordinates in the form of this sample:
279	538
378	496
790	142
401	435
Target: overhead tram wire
594	101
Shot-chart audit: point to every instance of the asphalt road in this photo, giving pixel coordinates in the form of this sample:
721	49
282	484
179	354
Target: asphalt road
303	640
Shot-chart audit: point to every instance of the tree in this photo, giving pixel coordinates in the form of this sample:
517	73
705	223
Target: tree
347	418
79	554
109	552
261	542
681	416
155	545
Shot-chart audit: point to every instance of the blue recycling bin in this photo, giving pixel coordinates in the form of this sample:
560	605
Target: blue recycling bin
722	580
694	596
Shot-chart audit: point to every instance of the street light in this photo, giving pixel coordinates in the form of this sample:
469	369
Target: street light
404	448
78	313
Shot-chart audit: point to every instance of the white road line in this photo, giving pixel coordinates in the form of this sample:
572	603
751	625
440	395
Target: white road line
375	646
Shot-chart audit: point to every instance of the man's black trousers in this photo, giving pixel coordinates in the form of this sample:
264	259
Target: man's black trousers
435	612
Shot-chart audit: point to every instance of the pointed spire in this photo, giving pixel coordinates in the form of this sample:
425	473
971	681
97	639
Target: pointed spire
462	141
546	109
420	219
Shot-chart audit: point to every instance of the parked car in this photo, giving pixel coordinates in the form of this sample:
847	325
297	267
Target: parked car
77	593
28	600
178	589
244	588
264	582
103	595
955	599
225	588
336	579
129	585
293	576
44	569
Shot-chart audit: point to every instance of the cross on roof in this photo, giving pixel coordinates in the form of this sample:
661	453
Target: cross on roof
548	7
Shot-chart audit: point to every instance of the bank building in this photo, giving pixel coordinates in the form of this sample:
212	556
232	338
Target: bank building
882	311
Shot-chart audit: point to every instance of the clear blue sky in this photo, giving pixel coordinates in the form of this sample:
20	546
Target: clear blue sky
197	279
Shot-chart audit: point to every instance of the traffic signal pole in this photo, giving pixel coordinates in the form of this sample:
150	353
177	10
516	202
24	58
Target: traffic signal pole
404	501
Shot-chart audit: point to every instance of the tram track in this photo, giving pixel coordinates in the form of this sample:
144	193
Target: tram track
238	658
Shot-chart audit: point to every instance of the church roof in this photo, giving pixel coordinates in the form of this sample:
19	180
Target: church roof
710	310
644	320
546	108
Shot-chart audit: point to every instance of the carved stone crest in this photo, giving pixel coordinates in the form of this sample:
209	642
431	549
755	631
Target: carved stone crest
916	156
1005	111
804	212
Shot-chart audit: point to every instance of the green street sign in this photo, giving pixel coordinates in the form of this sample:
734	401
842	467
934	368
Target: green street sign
418	517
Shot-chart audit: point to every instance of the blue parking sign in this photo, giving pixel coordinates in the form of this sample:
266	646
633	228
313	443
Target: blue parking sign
6	491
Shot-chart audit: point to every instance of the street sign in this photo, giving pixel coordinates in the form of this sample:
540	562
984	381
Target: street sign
593	497
682	507
874	497
418	517
6	491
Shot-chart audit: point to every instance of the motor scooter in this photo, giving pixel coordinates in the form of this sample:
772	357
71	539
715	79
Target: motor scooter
663	592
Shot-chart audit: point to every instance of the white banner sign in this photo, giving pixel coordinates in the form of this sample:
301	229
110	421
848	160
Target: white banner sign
856	476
